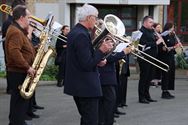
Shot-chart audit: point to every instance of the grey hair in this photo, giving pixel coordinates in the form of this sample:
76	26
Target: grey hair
86	10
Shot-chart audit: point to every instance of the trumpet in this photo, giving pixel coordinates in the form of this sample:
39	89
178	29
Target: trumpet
115	29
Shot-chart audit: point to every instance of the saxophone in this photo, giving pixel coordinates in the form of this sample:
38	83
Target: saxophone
43	54
28	87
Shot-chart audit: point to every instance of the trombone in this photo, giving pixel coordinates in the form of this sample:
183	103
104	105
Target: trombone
115	29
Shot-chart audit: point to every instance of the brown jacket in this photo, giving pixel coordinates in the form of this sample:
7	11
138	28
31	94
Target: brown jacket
19	50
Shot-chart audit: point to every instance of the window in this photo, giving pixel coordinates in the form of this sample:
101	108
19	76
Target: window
127	14
177	13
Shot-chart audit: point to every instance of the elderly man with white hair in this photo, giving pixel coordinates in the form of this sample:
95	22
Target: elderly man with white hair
81	75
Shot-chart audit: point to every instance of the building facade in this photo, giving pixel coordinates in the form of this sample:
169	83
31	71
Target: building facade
130	12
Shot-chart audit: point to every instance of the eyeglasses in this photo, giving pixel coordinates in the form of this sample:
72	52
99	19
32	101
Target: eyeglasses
96	18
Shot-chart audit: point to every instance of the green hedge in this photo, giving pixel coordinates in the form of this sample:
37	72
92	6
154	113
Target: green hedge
49	73
181	62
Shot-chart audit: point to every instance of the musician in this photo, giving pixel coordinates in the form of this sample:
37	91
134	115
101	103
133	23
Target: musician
81	62
61	55
5	26
157	72
150	47
168	78
108	82
19	55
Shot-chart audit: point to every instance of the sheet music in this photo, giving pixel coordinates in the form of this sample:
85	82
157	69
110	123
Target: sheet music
121	46
136	35
165	33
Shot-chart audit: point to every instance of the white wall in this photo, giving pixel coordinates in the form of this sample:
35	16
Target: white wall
2	62
43	9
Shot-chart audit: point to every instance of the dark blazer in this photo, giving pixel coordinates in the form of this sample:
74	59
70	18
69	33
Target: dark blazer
149	40
60	50
108	72
81	75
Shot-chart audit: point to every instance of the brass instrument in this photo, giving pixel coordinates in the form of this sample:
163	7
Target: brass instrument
115	29
6	9
43	53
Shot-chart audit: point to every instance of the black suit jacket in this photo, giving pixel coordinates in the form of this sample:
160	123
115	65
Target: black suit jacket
148	39
81	76
108	72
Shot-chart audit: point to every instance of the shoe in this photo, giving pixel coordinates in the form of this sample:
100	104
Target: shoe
25	123
151	100
34	110
120	113
144	101
28	118
122	105
167	95
116	115
59	83
37	107
170	94
32	115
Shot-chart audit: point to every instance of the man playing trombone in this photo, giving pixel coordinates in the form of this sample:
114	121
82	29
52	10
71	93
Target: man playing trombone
150	47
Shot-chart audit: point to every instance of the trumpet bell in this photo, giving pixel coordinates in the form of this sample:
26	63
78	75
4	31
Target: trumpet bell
114	25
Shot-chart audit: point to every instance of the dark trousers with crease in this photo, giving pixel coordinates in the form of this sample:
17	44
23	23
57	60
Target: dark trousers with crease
88	109
107	105
144	81
18	105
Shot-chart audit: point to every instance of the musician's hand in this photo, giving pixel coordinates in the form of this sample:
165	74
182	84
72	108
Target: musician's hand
164	48
102	63
160	40
31	72
30	30
127	50
106	46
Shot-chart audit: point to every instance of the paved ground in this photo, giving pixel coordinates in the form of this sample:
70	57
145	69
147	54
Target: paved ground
61	110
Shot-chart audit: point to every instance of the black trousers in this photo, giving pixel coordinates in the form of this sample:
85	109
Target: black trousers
168	78
124	80
107	105
61	69
144	81
88	109
18	105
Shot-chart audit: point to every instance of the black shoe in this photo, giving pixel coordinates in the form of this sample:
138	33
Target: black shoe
144	101
25	123
28	118
170	94
116	115
151	100
37	107
59	83
167	95
34	110
120	113
32	115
